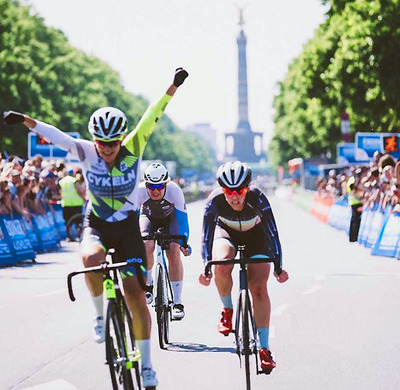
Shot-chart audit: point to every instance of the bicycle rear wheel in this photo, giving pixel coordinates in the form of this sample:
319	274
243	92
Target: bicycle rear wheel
162	309
242	334
117	347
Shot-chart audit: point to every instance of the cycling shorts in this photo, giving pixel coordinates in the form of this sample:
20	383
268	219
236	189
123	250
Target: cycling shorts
123	236
255	240
150	225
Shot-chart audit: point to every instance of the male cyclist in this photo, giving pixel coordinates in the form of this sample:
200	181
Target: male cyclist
110	165
163	206
237	214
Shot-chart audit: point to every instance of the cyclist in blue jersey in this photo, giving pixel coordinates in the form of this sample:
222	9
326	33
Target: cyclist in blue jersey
110	165
237	214
163	206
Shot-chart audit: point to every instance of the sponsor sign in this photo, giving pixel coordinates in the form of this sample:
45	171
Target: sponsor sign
368	143
39	145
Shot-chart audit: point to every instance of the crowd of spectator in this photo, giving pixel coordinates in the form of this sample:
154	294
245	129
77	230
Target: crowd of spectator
376	184
31	186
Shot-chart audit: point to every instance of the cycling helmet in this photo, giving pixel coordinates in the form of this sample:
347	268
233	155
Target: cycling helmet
234	174
156	173
108	123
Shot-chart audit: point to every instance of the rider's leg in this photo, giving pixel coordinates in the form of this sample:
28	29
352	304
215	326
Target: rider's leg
223	249
258	276
93	254
149	247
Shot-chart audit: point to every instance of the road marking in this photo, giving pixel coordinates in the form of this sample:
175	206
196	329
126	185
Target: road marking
59	384
319	277
2	307
280	309
50	293
312	290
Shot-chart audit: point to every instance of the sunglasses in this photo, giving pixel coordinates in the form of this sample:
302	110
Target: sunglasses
110	144
153	187
239	191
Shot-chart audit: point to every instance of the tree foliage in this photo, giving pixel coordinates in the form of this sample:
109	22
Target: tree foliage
350	64
42	75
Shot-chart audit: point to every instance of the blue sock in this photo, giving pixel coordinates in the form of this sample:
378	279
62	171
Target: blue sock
263	335
227	302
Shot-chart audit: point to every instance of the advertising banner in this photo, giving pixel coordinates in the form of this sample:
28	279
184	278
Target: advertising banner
6	257
21	246
367	143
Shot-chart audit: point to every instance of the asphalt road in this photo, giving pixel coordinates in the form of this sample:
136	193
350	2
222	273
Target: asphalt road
335	323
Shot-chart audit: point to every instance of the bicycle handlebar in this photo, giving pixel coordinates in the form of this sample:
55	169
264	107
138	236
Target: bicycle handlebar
161	237
101	268
249	260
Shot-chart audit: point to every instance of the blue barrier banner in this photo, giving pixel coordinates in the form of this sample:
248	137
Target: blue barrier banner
6	257
387	242
52	223
20	245
59	220
366	219
44	232
32	235
376	227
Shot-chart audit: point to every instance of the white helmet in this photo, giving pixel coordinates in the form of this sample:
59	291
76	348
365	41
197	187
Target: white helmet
234	174
108	123
156	173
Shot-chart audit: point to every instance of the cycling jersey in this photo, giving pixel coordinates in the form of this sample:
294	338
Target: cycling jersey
256	213
170	210
112	193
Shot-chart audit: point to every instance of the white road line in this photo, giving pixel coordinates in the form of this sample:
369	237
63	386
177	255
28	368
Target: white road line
2	307
312	290
280	309
59	384
50	293
319	277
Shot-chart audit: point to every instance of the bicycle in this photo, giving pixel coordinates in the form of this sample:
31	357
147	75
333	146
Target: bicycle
121	353
74	226
163	294
246	338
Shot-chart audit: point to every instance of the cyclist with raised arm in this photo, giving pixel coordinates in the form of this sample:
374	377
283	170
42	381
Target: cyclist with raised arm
237	214
163	206
110	164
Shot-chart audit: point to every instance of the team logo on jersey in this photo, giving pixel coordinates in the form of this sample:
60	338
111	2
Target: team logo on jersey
123	167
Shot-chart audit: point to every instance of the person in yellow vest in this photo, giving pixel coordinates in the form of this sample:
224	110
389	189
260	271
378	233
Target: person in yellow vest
72	200
354	200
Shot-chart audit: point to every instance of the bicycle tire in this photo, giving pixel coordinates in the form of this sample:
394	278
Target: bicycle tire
116	349
162	314
74	226
244	298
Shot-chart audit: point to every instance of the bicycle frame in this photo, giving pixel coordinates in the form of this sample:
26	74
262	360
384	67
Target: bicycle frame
118	315
246	338
163	293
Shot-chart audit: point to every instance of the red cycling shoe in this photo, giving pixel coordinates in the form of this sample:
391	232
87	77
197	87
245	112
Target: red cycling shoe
225	325
267	362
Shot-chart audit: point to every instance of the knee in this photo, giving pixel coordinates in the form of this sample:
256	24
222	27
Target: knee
259	292
92	259
223	272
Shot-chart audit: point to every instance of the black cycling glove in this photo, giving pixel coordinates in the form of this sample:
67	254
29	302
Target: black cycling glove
180	76
12	118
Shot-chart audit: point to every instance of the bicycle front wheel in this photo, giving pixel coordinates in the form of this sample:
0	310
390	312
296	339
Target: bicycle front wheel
162	308
242	334
117	350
